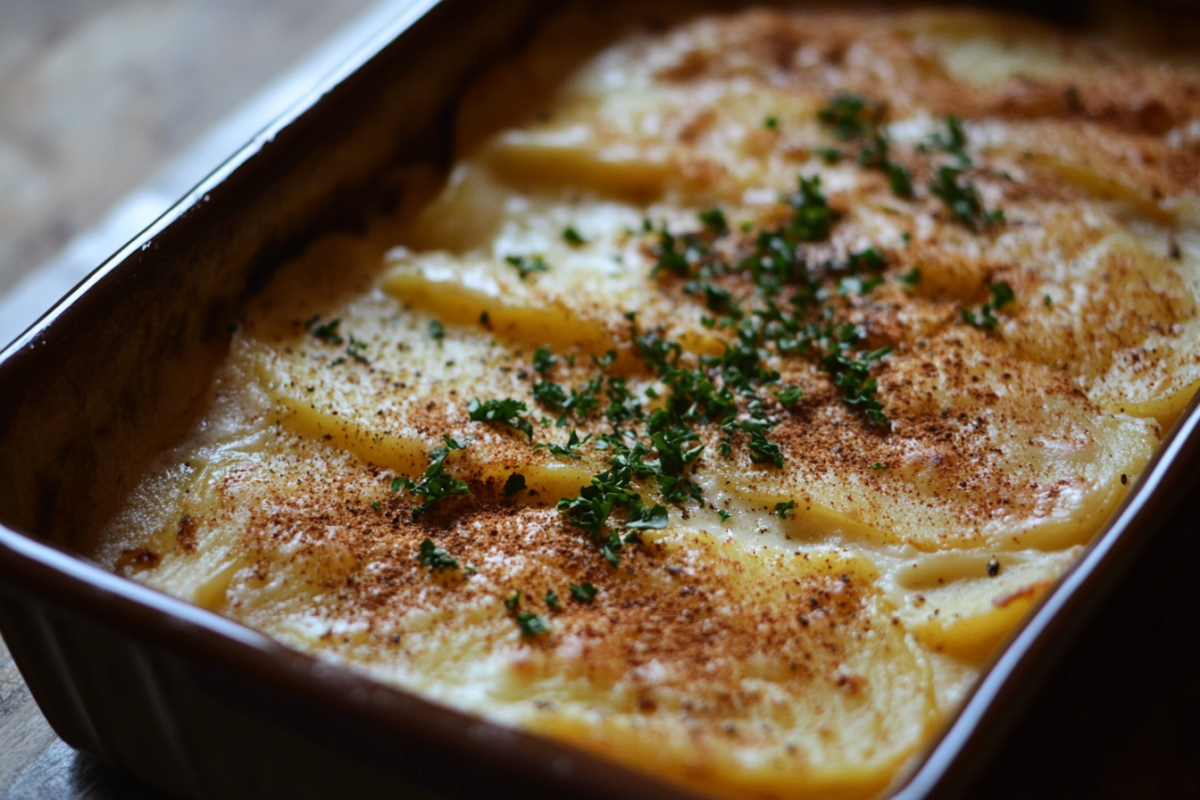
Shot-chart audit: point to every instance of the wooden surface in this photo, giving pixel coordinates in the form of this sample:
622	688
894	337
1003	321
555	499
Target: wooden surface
97	96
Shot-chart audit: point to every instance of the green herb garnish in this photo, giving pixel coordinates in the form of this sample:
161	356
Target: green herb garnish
532	624
356	350
643	517
527	265
544	360
784	510
900	179
583	592
434	557
434	485
790	395
507	411
952	141
714	220
911	278
852	374
851	116
1002	295
963	198
813	218
328	332
830	155
570	450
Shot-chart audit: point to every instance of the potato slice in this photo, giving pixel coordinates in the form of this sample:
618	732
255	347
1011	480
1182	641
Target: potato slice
968	462
476	296
766	721
965	603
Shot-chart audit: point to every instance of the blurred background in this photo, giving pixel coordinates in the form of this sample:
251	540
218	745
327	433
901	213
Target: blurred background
97	97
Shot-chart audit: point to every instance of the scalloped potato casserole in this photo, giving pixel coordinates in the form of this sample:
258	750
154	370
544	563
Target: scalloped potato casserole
730	401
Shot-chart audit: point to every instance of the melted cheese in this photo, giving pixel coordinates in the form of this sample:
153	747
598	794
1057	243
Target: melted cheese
802	629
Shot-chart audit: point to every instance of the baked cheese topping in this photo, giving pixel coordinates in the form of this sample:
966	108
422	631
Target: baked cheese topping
725	414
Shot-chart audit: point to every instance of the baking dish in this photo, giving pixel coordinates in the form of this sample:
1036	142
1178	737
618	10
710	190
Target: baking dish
144	682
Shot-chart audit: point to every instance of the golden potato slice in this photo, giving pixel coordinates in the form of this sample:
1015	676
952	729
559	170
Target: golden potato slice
813	685
965	603
968	462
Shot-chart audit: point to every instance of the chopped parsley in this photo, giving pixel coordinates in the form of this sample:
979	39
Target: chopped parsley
582	400
878	466
762	449
900	179
436	331
813	218
790	395
1002	295
851	116
714	220
592	510
874	152
852	374
544	360
643	517
572	237
328	332
952	141
830	155
356	350
513	602
723	514
434	557
570	450
527	265
552	599
911	278
532	624
963	199
434	485
583	592
771	123
507	411
784	510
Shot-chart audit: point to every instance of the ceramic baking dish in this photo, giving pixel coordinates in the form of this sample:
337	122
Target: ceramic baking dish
203	707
